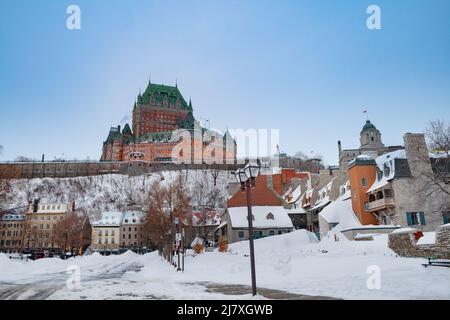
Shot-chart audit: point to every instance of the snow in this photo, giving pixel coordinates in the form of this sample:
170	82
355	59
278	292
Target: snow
428	238
323	197
238	216
211	218
388	160
293	194
340	212
405	230
132	217
366	235
109	219
294	262
111	192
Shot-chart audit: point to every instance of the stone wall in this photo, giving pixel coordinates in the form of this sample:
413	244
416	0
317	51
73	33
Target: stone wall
405	244
32	170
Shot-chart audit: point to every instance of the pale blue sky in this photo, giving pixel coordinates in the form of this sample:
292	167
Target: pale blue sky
305	67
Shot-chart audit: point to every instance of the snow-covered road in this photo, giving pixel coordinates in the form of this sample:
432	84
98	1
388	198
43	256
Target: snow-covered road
294	264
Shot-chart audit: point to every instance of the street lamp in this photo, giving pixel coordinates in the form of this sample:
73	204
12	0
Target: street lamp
178	241
247	178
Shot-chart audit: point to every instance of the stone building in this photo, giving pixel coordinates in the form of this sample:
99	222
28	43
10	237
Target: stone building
11	232
158	115
115	232
106	232
41	219
394	188
370	142
131	230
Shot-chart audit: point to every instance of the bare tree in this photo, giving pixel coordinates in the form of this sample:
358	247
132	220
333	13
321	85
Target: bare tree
165	203
73	233
438	136
432	164
215	172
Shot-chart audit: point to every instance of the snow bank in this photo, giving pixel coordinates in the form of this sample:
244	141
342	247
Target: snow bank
428	238
287	241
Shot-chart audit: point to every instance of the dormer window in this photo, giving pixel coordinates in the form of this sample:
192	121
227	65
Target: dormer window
379	175
270	216
387	171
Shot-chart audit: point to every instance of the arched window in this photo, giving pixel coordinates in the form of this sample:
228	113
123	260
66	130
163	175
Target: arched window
270	216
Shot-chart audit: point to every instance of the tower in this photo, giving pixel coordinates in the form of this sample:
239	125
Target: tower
370	138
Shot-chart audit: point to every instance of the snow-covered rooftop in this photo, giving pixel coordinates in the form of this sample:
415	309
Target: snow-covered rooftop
264	217
341	213
211	218
109	219
323	197
132	217
388	161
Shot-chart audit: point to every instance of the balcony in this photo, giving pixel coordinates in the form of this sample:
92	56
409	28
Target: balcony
380	204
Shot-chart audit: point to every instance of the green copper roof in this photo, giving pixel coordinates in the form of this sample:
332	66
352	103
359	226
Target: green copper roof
126	129
368	126
158	92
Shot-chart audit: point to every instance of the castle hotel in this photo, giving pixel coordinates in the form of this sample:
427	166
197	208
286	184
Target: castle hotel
159	114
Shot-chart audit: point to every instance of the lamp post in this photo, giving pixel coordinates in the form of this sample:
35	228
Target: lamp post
178	242
247	178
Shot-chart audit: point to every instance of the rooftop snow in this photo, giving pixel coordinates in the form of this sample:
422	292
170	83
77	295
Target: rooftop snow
238	217
109	219
388	160
132	217
340	212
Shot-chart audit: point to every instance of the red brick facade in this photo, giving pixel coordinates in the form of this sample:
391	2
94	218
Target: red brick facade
156	115
268	190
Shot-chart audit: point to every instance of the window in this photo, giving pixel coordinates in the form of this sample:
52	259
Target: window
364	182
446	217
415	218
387	171
270	216
241	234
271	232
366	206
388	193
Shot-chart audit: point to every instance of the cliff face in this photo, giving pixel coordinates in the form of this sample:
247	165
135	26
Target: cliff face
110	192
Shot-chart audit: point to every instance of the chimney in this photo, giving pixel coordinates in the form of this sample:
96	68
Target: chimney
118	128
417	154
43	157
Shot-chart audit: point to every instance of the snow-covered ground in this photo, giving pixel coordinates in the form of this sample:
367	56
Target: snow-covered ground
293	262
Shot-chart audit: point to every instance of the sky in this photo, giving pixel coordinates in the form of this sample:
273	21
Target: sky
307	68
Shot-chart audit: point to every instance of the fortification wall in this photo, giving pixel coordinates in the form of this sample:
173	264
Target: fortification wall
32	170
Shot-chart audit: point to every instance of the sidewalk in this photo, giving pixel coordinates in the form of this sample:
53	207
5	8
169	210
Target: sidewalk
267	293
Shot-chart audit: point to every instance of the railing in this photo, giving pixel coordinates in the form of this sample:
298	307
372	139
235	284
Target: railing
380	203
